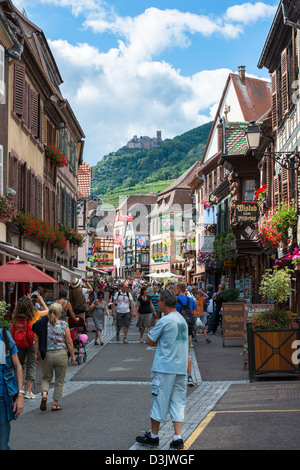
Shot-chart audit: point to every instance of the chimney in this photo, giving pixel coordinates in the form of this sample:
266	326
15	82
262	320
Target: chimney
242	72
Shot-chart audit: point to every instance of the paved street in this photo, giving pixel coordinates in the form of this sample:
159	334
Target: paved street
106	403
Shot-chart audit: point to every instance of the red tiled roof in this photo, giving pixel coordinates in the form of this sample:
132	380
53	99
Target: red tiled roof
84	180
254	96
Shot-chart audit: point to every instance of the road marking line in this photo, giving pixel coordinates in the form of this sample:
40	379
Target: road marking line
204	423
191	439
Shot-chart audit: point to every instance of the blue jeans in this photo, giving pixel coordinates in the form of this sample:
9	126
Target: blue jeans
4	426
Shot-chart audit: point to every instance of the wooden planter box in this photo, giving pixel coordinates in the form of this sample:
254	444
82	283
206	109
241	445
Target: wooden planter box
272	351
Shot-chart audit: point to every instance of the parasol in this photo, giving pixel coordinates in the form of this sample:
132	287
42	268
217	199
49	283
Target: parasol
18	270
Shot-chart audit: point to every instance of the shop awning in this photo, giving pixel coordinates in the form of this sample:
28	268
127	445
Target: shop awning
13	252
67	274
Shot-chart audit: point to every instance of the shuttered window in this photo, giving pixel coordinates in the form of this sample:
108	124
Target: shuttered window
276	190
274	100
39	197
285	184
284	82
19	82
34	114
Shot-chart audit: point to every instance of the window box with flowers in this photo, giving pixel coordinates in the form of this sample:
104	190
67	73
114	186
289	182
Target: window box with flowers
59	240
261	193
40	230
34	227
278	226
71	235
271	334
8	210
55	155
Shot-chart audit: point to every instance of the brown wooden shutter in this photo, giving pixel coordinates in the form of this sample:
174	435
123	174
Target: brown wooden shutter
34	113
19	82
14	176
274	100
41	118
284	82
295	69
23	187
39	197
276	193
285	187
32	193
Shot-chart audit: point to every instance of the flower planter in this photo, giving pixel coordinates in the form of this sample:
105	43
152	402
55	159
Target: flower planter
272	351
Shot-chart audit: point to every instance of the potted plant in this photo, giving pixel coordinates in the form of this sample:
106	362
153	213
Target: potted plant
271	334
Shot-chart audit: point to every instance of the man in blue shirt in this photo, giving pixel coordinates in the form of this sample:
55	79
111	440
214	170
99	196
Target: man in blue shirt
181	291
19	403
168	372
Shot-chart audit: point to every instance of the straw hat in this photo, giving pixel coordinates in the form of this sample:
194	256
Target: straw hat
75	282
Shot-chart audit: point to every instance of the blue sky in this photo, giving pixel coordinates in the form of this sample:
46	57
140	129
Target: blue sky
132	67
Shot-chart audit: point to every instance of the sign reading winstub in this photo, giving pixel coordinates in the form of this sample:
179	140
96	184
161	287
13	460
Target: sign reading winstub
246	213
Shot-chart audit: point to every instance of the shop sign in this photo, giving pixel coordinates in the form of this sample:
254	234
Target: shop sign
246	213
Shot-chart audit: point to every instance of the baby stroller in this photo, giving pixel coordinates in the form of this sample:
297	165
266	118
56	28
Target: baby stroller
78	332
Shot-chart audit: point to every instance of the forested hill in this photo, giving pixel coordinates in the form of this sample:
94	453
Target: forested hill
149	169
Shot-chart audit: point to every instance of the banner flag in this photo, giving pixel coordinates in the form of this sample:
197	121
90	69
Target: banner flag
166	239
118	240
142	242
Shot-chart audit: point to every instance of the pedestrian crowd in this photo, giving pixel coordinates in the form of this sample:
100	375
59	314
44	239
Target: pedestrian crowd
171	314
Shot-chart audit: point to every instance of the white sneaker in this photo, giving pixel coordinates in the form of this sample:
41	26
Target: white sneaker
29	396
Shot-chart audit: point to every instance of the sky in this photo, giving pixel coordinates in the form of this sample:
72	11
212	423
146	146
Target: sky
133	67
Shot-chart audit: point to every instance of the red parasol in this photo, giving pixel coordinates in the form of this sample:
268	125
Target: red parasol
21	271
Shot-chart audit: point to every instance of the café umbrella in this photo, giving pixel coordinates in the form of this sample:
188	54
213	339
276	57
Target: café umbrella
18	270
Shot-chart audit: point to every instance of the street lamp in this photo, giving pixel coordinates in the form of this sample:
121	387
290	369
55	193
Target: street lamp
253	134
288	160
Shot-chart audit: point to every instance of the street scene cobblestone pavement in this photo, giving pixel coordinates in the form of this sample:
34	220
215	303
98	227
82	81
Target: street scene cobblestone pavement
106	402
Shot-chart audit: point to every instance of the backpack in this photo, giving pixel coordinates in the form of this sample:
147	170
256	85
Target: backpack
187	312
121	293
22	333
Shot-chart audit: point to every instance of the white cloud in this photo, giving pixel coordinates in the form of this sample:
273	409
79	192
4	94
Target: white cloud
249	12
127	90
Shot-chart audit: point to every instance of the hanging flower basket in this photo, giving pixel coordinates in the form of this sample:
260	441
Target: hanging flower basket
56	156
210	201
278	225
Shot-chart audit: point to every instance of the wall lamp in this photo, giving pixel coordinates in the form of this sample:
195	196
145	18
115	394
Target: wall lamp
288	160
